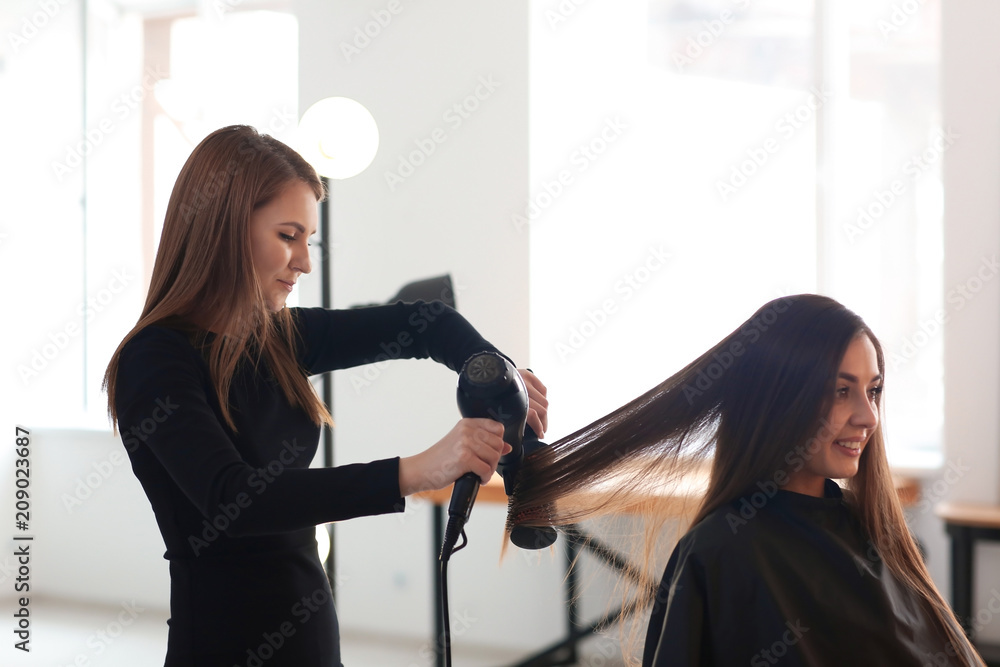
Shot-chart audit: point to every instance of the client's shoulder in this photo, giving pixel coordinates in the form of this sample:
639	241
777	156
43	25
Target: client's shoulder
732	528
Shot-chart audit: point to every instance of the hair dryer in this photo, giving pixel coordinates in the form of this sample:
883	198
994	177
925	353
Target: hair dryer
489	386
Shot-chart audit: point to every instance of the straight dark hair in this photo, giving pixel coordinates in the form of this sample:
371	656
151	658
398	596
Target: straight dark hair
754	406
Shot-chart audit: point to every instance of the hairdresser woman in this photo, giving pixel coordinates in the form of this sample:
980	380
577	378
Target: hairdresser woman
211	395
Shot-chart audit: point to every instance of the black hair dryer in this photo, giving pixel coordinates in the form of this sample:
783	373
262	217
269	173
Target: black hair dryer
490	387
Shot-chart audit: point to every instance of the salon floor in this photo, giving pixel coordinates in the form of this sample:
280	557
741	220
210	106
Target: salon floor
71	634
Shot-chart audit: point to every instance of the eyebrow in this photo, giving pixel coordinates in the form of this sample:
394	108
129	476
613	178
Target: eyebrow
854	378
297	226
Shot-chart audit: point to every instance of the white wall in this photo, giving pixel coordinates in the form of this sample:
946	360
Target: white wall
971	107
450	215
96	538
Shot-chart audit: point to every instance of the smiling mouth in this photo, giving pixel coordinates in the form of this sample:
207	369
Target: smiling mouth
850	448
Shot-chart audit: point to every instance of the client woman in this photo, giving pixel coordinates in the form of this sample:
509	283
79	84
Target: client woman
211	395
781	565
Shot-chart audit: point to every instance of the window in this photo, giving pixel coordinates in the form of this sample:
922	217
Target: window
693	160
110	134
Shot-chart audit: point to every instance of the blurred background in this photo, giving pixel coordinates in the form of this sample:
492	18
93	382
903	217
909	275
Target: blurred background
613	187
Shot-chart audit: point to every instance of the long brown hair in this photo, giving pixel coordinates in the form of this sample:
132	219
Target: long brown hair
752	405
203	271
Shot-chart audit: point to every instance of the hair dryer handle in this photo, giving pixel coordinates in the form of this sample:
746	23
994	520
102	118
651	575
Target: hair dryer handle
463	496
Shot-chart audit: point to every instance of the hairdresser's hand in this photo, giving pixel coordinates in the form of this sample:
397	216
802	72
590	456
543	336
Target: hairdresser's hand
474	445
538	405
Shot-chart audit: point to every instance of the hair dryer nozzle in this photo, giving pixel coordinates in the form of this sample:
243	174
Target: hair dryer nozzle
531	537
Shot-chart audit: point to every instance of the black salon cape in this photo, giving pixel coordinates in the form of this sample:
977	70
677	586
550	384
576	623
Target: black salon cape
786	580
237	511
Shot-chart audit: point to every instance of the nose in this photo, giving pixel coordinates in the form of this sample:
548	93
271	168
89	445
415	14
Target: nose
301	261
865	413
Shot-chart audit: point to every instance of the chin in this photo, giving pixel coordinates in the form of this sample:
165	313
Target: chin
847	474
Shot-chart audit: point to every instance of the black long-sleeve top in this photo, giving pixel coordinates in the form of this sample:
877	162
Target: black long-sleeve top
237	510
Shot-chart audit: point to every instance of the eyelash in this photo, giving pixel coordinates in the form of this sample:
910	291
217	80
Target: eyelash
289	238
874	391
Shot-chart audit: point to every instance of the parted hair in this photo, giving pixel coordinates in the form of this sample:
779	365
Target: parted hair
753	409
204	273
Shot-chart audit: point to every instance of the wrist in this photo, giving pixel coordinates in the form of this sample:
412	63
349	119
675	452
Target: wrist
409	479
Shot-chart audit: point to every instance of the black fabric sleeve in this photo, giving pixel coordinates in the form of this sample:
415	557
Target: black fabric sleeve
335	339
165	404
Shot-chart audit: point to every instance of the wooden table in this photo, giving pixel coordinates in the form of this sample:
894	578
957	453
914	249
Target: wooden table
676	500
967	524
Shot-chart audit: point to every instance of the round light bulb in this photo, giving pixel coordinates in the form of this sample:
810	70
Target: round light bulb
338	136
